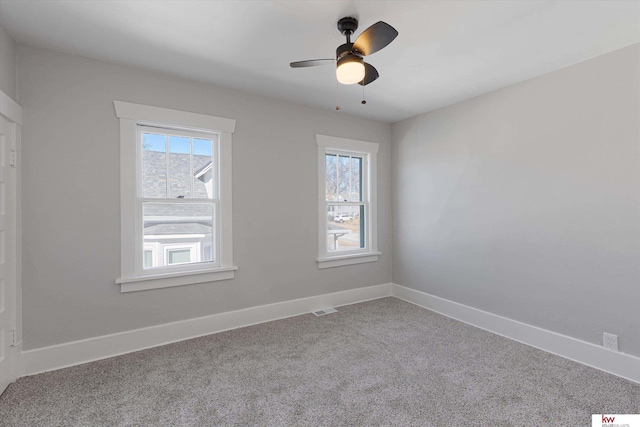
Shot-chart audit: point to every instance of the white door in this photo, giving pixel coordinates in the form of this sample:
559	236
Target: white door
8	297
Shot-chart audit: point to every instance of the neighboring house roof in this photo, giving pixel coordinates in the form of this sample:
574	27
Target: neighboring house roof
203	170
179	218
177	229
154	175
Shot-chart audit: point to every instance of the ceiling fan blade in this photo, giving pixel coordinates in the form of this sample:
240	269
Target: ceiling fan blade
370	74
312	63
375	38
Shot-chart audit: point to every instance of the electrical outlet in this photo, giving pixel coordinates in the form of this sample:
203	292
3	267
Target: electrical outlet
610	341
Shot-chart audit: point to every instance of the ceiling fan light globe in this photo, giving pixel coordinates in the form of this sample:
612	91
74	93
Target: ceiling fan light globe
350	70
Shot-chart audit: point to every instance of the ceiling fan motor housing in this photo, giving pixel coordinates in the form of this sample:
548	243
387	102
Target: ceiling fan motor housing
344	50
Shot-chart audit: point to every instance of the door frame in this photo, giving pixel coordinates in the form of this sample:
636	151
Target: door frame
12	112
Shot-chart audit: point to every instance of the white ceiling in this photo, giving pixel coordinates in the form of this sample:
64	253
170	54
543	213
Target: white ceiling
446	51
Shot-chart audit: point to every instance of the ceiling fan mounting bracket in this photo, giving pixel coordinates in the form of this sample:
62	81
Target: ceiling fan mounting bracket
347	26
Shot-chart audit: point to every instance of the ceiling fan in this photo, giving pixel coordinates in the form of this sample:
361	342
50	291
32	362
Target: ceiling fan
350	67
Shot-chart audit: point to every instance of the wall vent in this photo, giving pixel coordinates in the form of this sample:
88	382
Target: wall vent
325	311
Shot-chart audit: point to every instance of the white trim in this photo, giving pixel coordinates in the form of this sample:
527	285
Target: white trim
165	116
132	274
346	144
128	195
348	259
11	224
10	108
97	348
322	205
620	364
167	280
87	350
225	201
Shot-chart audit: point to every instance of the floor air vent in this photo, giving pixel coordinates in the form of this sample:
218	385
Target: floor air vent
325	311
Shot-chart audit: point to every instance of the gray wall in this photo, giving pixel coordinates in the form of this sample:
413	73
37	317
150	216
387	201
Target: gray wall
8	83
525	202
71	198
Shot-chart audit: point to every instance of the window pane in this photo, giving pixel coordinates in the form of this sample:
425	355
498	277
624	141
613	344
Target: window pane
355	194
344	178
179	256
179	169
184	224
202	147
176	166
345	228
203	173
331	176
154	165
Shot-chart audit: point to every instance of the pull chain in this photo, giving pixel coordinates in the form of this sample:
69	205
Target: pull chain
337	100
363	100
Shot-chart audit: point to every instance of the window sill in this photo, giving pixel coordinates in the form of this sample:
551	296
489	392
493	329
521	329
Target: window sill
166	280
340	260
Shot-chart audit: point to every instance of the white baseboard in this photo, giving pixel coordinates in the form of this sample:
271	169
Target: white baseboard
91	349
620	364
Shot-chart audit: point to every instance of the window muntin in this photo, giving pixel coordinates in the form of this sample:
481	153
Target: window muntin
178	195
344	172
173	163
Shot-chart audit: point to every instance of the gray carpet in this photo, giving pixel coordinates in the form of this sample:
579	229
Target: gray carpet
382	362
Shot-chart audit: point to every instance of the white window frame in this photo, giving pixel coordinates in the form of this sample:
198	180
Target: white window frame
141	200
132	276
369	153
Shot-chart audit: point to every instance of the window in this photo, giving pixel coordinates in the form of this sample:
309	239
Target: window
148	259
180	256
175	197
347	206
